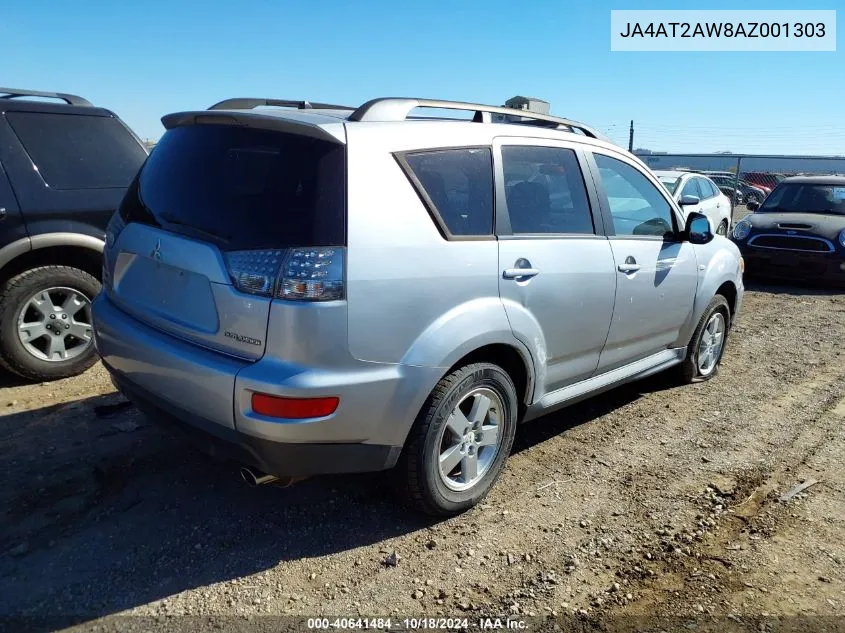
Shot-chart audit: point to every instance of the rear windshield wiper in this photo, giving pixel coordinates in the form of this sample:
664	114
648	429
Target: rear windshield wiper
215	236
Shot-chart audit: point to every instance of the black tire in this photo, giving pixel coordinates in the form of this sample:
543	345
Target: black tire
417	474
722	228
689	369
15	292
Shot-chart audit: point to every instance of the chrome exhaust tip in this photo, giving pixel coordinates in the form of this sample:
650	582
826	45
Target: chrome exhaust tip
256	478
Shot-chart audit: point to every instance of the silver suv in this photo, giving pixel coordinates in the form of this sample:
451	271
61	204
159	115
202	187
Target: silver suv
316	289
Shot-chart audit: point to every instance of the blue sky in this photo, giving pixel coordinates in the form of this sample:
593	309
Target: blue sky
146	58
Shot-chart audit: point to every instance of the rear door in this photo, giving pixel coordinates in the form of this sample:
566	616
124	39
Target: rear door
557	278
210	222
656	272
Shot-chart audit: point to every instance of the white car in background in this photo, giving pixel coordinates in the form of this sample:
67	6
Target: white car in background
696	192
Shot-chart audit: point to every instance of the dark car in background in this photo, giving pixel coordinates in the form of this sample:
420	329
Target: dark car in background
798	232
747	192
64	167
762	180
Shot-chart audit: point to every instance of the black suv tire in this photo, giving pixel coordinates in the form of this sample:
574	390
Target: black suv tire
14	295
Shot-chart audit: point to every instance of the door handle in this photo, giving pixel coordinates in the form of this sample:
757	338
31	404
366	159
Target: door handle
628	268
520	273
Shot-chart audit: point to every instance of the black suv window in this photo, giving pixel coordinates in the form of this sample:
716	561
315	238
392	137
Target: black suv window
75	151
243	188
459	187
545	191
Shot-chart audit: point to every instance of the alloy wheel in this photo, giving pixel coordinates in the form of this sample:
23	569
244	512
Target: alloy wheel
470	439
55	324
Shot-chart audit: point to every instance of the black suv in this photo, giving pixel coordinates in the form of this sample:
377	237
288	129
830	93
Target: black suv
64	167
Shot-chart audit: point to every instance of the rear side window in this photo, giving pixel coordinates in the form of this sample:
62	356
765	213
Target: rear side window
75	151
243	188
545	191
458	185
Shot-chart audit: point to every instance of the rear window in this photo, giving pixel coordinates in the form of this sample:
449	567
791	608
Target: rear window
459	187
243	188
76	151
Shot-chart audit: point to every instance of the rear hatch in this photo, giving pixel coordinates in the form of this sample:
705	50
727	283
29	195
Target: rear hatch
200	240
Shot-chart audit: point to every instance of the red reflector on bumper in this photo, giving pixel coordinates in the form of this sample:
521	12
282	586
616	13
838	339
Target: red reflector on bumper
294	408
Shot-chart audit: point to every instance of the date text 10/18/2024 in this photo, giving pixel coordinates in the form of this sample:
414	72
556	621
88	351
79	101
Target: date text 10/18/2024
417	624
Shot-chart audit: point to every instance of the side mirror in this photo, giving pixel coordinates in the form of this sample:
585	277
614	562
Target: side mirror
698	229
689	201
752	205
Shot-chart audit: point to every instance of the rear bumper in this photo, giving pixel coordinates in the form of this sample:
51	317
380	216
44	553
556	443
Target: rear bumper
279	458
208	394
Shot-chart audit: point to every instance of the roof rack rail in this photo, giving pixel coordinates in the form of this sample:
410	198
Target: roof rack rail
14	93
248	103
398	109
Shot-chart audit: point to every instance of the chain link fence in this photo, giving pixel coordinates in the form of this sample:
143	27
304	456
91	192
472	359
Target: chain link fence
746	178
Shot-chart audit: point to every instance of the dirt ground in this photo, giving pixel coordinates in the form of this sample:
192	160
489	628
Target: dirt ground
651	500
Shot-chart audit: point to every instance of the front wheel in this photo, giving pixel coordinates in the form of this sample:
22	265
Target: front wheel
707	345
459	443
45	322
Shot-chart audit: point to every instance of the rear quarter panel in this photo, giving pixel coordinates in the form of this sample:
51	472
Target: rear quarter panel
48	210
414	297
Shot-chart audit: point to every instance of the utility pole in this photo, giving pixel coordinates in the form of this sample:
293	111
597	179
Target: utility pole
631	138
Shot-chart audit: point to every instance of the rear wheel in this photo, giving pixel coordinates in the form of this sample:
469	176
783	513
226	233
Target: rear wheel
707	345
460	441
45	322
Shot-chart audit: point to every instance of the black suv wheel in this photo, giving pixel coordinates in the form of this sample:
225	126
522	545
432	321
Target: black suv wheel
45	322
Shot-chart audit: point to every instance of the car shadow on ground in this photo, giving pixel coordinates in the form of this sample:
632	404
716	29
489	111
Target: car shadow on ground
788	287
104	511
8	379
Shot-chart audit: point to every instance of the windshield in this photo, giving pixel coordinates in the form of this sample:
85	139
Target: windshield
669	182
806	198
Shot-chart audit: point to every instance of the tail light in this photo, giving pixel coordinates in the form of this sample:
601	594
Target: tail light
301	274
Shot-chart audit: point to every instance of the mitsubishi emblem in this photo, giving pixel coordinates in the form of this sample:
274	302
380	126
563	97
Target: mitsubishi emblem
156	254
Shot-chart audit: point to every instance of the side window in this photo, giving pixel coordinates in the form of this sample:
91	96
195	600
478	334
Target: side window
74	151
545	191
707	190
459	185
691	188
637	206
